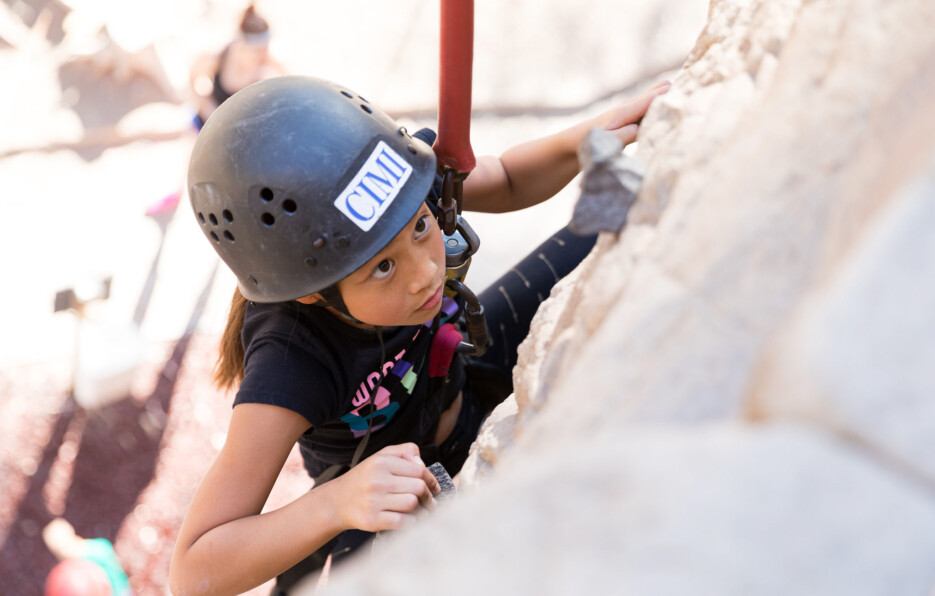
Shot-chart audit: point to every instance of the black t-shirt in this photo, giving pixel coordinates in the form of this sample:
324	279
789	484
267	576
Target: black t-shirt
302	358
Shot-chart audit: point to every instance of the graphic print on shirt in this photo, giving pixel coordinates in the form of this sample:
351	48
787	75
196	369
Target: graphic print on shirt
400	380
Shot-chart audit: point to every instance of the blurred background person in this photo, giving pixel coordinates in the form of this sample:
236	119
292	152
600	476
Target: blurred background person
244	61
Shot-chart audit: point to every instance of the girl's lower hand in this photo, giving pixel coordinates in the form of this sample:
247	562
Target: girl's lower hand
386	490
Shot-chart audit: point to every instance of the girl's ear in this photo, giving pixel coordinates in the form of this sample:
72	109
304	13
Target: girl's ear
310	299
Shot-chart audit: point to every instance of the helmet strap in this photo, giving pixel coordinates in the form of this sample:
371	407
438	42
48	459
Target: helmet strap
331	296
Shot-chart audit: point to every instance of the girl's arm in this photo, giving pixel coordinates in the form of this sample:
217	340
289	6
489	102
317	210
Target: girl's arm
532	172
226	546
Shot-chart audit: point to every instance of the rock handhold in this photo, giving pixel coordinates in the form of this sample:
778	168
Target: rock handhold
609	185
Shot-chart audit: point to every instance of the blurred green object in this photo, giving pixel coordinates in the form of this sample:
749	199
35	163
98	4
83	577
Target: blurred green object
74	576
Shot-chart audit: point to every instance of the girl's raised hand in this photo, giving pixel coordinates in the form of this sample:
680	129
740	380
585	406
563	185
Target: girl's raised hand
623	120
386	490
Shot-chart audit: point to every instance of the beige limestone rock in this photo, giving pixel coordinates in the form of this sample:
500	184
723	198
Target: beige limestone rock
734	396
723	508
858	355
494	439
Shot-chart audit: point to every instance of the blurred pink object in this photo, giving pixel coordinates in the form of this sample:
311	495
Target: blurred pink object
166	204
77	577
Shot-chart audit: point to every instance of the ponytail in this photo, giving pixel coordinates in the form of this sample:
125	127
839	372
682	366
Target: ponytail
229	368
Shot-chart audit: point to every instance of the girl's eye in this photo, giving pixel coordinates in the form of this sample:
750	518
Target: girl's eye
423	225
383	269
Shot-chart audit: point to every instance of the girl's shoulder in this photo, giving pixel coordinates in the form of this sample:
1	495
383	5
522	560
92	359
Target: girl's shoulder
311	327
292	320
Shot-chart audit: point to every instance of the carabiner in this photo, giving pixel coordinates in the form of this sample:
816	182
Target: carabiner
449	204
475	320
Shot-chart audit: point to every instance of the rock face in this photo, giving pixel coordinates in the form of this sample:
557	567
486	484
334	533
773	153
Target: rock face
736	394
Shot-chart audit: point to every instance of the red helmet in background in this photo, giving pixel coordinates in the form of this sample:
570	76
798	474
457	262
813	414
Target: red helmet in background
77	577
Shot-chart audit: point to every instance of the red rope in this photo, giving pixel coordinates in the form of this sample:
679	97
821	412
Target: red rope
453	145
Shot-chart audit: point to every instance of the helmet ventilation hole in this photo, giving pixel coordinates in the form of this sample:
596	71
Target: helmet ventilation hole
268	219
310	261
289	206
228	216
366	108
201	217
213	219
215	237
346	94
266	194
228	235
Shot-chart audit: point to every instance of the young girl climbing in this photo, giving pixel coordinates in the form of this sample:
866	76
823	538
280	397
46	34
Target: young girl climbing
339	336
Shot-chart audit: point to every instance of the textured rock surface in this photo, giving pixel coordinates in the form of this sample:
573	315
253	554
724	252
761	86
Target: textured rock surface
734	395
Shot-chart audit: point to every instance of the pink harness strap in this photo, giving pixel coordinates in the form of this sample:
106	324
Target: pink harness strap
443	348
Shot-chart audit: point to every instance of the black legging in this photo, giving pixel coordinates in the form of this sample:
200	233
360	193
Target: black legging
510	303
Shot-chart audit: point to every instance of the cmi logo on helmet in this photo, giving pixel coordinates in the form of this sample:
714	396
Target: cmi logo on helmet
373	189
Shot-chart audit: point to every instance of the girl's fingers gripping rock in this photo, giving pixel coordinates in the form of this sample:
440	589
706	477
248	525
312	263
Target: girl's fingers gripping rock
431	482
411	465
417	480
631	112
400	502
403	450
393	520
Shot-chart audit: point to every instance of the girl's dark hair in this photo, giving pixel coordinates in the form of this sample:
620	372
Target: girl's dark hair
229	369
252	23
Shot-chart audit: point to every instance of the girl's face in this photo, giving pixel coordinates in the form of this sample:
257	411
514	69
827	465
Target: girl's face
403	283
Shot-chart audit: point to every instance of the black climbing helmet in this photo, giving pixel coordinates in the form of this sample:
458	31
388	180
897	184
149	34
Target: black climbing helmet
297	182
